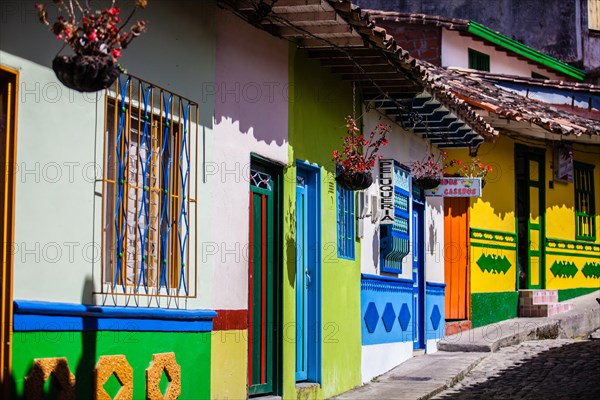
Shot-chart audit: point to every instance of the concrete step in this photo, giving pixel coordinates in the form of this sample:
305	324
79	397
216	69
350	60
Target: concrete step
544	310
534	296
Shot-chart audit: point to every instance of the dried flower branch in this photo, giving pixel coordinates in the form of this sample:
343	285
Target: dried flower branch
359	154
92	32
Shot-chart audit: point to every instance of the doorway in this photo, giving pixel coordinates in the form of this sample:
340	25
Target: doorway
530	198
8	146
456	258
308	272
418	271
264	278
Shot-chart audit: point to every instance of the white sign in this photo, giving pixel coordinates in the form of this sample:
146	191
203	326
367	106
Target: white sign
386	191
457	187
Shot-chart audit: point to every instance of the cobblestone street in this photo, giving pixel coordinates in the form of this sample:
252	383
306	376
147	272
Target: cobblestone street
543	369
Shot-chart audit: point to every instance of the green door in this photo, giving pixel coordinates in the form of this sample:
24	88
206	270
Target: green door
263	288
529	169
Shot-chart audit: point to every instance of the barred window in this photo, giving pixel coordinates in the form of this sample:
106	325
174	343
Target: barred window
149	192
479	61
585	207
345	223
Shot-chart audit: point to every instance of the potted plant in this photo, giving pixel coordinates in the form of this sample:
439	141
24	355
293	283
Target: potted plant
473	169
428	173
97	37
355	162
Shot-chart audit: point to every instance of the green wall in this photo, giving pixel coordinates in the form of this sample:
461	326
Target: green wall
488	308
319	102
82	350
567	294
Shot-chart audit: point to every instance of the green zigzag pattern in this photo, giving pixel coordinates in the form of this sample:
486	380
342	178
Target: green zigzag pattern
591	270
493	263
563	269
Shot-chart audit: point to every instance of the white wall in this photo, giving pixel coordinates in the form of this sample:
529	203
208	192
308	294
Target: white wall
251	115
60	149
455	54
377	359
405	147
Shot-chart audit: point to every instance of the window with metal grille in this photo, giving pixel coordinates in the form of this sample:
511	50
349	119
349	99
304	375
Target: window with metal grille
345	223
479	61
149	191
585	212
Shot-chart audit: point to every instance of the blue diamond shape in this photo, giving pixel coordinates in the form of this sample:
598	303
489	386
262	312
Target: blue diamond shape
404	316
371	317
388	317
436	317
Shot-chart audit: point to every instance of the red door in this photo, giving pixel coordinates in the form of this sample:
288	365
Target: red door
456	257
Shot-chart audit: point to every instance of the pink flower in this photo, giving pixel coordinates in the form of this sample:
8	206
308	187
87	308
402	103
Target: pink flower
93	36
113	11
116	53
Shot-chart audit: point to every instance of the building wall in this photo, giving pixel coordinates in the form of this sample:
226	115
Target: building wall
59	204
251	116
455	54
386	347
319	102
58	162
513	18
421	41
493	232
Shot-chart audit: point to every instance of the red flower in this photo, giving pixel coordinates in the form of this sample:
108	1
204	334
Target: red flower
113	11
92	36
489	168
458	162
116	53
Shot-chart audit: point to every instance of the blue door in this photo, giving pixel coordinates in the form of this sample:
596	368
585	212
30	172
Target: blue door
418	274
308	271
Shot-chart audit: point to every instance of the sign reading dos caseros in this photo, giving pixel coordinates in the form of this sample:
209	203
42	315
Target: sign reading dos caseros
457	187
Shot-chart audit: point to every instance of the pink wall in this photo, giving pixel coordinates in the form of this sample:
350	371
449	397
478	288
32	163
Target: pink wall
251	79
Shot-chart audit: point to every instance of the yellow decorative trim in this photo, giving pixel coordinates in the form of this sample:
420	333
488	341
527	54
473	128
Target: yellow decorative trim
41	371
163	362
118	365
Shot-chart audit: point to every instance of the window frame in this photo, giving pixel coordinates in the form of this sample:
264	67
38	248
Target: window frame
346	248
580	168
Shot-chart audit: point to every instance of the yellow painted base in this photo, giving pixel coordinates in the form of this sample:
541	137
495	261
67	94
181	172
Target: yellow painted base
229	364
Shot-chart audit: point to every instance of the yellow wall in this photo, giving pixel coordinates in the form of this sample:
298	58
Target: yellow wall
229	364
495	211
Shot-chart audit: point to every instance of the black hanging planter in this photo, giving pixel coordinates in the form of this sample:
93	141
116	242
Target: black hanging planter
85	73
427	183
354	180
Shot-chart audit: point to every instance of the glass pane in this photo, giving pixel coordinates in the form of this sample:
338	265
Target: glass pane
534	170
534	203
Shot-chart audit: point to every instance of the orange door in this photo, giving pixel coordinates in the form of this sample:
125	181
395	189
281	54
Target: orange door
456	257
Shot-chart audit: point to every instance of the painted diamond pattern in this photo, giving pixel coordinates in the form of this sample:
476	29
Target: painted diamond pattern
371	317
404	317
388	317
435	317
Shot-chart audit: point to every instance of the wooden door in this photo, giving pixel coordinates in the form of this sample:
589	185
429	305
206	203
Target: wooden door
530	186
264	287
8	120
302	278
456	257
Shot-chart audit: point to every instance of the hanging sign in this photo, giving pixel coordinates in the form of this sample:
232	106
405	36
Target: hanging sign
386	191
457	187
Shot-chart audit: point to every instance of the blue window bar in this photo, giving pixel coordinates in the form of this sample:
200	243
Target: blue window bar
395	237
345	223
149	192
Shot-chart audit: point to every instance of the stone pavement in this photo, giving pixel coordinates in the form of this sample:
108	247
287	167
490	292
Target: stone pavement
544	369
426	376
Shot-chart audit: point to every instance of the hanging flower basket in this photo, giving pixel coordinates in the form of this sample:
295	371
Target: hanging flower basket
97	37
354	180
85	73
427	183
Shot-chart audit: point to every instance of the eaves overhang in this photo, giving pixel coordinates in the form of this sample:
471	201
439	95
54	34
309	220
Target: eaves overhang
352	46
